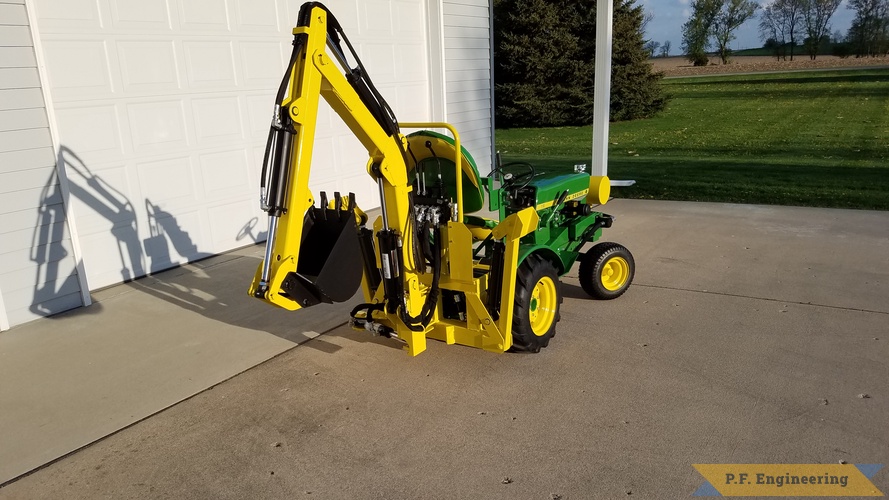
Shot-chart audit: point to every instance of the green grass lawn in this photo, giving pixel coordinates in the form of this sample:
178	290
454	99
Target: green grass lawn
810	139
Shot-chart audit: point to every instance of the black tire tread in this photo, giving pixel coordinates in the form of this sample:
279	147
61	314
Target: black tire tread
523	338
590	265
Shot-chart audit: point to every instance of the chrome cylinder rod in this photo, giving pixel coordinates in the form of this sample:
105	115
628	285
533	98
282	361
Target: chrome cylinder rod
383	201
269	250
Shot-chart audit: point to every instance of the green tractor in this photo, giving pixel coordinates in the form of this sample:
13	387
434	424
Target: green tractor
566	206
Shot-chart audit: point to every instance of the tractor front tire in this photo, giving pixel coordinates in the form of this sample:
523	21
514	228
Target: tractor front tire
606	271
537	300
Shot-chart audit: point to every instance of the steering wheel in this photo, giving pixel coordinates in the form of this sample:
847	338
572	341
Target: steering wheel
514	180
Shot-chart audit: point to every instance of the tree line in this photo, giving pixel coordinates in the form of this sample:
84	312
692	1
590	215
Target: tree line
784	22
782	25
544	63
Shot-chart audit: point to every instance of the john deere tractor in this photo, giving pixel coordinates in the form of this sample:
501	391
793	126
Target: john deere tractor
434	264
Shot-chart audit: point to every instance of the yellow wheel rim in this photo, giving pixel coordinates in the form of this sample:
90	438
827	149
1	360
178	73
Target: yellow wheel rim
542	309
615	273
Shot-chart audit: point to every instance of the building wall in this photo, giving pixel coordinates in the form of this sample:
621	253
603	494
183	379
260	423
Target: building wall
163	108
38	273
468	76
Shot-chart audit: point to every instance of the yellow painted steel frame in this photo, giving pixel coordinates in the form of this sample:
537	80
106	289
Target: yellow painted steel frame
316	75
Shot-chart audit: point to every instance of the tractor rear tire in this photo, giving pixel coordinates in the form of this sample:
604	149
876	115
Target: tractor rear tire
606	271
537	299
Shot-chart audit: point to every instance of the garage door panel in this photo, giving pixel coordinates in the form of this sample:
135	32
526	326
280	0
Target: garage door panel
90	132
412	58
148	65
140	14
254	169
209	64
355	179
227	222
169	181
346	13
261	17
217	120
68	14
78	69
204	15
262	64
112	257
156	125
324	164
380	57
259	112
410	19
172	240
102	198
225	174
376	18
409	102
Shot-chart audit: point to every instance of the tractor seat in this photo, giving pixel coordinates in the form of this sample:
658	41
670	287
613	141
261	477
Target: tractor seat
439	157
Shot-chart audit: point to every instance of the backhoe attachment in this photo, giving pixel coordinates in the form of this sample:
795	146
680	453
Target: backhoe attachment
313	254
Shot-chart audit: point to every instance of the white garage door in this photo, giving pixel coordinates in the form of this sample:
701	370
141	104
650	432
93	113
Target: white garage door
162	110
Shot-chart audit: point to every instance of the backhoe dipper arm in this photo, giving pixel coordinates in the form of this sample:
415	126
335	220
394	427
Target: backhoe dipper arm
319	68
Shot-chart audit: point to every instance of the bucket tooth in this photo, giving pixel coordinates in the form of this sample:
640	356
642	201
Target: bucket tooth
338	204
323	206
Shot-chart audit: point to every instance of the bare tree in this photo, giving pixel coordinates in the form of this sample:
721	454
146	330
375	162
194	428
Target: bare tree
731	16
869	33
816	17
646	19
665	49
773	29
651	47
783	21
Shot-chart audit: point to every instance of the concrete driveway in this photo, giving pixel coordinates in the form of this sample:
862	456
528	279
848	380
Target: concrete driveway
752	334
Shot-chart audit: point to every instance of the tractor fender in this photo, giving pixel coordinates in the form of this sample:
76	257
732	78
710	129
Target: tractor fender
547	253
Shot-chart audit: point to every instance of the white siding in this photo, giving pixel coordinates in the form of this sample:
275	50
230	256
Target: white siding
37	268
163	108
467	61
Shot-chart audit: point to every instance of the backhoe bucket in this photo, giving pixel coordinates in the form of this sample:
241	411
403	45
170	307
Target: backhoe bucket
330	262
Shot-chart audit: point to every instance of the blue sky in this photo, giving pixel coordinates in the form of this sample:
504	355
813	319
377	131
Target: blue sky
669	15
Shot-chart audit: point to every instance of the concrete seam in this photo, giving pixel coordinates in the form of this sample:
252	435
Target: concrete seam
726	294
